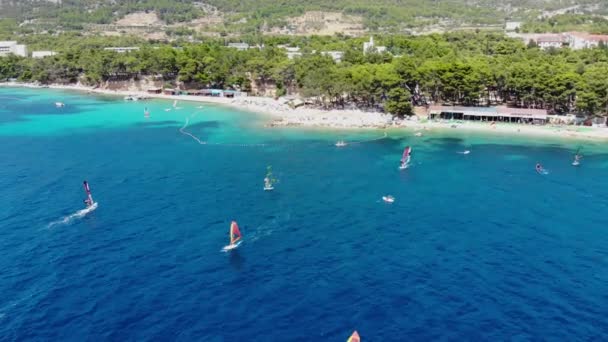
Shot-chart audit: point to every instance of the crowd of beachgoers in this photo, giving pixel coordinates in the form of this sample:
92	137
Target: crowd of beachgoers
281	114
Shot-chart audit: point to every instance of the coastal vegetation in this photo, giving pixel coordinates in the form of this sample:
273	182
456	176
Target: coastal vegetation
568	22
248	16
472	69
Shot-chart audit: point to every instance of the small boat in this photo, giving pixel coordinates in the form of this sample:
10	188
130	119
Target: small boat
167	109
388	199
464	152
235	237
146	113
405	159
59	104
131	98
341	143
269	180
354	337
418	134
89	200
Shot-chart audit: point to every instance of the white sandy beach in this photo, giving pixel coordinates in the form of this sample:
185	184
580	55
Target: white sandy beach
281	115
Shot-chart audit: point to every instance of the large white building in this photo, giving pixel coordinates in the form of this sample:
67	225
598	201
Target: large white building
11	47
572	40
580	40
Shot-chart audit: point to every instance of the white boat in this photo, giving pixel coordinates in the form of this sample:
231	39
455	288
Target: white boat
146	113
388	199
418	134
131	98
59	104
464	152
341	143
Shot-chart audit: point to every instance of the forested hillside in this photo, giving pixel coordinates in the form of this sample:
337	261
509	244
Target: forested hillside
458	68
255	15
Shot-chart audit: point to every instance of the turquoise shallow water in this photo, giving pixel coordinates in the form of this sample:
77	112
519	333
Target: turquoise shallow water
475	247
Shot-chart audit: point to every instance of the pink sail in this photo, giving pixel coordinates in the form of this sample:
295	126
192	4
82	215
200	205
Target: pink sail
89	200
406	154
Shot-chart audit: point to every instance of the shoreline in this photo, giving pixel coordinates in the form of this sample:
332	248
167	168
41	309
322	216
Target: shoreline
345	119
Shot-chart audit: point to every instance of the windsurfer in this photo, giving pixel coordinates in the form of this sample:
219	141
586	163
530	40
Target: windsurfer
539	168
89	200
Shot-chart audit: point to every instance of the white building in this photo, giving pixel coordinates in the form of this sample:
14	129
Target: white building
11	47
512	26
291	52
579	40
292	55
371	47
42	54
239	46
122	49
552	41
335	55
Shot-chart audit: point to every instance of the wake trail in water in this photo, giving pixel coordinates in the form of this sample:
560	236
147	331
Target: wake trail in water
183	131
77	215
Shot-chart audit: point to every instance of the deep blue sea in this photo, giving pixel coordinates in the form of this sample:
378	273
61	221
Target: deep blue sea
475	247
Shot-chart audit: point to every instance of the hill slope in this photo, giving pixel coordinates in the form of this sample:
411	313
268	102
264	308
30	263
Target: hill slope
263	15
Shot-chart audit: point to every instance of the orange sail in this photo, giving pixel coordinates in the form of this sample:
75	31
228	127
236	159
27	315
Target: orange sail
235	233
354	337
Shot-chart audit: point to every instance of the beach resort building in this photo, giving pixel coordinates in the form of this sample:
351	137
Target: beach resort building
42	54
122	49
11	47
501	114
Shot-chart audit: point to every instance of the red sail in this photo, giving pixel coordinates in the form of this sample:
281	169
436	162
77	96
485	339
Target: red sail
235	233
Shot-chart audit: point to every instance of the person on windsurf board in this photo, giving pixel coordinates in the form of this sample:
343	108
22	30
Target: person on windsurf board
89	200
235	237
405	158
577	158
